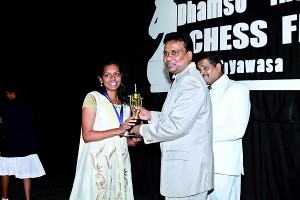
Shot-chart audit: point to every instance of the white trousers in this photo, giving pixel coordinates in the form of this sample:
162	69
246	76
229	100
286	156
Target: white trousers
200	196
226	188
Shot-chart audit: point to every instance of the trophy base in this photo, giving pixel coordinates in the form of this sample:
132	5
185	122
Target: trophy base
131	136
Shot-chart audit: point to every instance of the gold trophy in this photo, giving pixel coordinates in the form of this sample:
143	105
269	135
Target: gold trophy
135	100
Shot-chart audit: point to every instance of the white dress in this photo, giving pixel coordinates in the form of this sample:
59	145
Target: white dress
18	154
103	169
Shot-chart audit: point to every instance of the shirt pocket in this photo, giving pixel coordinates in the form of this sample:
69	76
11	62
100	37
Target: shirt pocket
176	155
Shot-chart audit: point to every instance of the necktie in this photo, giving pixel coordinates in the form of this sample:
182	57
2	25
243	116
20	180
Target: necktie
209	87
172	80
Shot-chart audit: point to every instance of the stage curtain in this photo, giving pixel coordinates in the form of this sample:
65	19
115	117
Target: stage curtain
272	147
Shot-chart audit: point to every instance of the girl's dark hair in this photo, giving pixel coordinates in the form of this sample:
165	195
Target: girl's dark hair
11	88
20	97
122	90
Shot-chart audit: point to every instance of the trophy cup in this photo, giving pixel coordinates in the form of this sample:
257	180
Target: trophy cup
135	100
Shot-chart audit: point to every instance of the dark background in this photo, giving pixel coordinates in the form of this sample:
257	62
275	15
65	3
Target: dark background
52	51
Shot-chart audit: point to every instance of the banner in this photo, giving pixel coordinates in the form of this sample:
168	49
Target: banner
258	40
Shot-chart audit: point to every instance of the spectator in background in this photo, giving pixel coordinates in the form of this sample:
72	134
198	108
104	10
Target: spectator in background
18	151
231	111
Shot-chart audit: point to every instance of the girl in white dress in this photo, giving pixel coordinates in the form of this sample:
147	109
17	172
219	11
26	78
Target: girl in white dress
103	168
18	155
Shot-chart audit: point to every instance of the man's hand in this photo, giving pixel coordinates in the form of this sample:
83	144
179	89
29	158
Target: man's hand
133	141
144	114
136	130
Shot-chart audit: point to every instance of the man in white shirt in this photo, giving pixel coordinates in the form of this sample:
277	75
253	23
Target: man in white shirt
231	111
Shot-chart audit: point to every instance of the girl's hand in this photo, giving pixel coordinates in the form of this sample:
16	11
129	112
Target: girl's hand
127	124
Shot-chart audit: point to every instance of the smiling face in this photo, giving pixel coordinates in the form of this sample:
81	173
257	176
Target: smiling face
111	77
209	72
176	58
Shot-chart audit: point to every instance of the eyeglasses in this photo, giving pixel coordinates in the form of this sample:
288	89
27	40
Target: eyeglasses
173	53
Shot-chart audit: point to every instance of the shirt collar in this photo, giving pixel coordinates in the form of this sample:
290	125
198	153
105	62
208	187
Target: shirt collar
191	65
